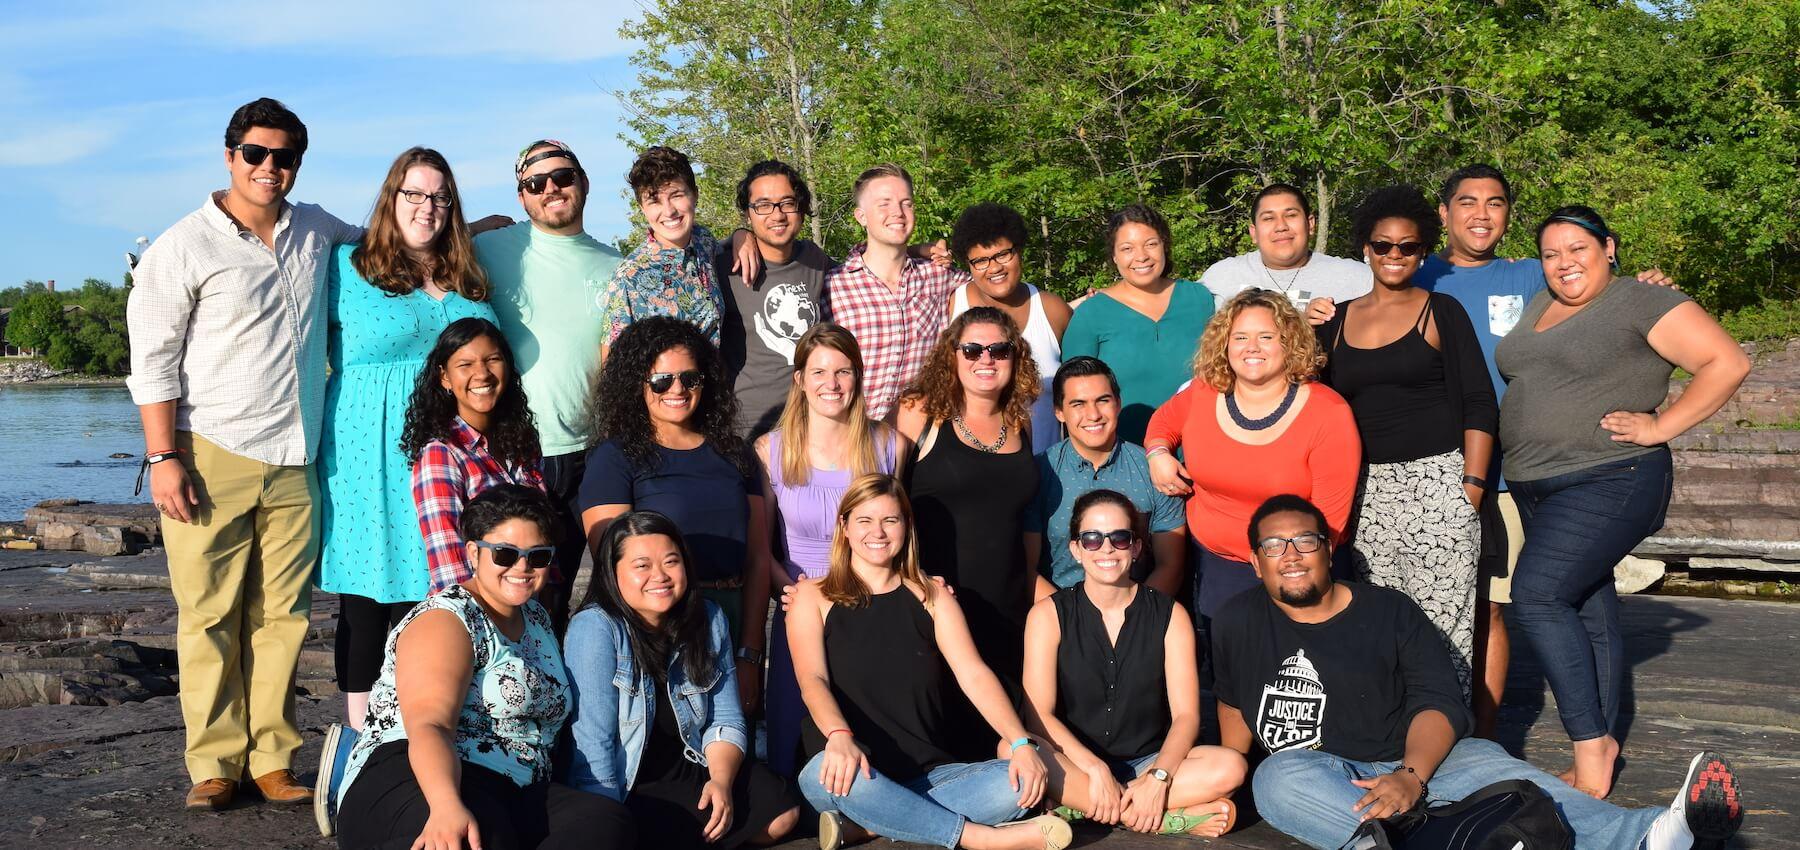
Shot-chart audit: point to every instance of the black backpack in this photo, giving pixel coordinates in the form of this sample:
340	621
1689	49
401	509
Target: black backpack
1509	815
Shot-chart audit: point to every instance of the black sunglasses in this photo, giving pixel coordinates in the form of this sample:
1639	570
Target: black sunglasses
1001	350
660	382
506	554
1121	539
562	177
286	159
1380	248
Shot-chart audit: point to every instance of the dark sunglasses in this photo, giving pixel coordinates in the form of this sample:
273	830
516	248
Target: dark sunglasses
1121	539
1305	544
562	177
1001	350
286	159
660	382
506	554
1407	249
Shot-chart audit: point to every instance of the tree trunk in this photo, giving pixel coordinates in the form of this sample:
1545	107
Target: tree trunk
1044	228
1323	205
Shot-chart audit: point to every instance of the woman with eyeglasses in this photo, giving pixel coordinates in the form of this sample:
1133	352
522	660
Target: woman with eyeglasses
471	696
656	720
825	440
1112	683
389	298
990	239
1411	367
1587	458
973	476
662	418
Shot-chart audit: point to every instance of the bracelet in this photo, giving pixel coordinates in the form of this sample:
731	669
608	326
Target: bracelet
1424	787
1477	481
1024	742
1154	450
828	735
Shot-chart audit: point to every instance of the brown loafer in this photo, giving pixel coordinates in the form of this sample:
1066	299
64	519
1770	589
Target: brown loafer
280	786
211	795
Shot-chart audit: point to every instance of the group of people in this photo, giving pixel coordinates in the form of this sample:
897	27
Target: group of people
972	553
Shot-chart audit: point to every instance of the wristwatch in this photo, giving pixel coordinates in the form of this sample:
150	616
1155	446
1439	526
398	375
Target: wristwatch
754	656
1158	774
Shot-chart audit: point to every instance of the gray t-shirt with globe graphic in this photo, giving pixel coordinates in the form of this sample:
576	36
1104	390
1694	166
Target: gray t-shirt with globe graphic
761	326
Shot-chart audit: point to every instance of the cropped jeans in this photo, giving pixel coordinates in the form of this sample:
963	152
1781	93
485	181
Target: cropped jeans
929	809
1577	527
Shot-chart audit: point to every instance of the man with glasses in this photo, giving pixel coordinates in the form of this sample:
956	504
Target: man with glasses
547	274
1349	690
227	327
1281	225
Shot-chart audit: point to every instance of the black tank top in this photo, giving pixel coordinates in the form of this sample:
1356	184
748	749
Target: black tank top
889	681
1115	698
1397	393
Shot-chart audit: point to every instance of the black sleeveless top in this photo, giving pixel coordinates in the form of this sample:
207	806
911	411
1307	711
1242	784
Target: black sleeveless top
1115	698
889	681
1398	393
969	508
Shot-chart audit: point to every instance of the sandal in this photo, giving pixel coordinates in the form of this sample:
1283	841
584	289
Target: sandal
1179	822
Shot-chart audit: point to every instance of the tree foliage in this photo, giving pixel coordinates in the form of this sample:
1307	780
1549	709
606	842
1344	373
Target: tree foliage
82	330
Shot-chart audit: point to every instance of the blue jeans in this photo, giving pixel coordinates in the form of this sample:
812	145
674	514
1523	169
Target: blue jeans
928	810
1577	526
1307	794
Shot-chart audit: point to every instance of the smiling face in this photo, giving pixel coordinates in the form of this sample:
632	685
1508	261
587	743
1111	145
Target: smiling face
558	209
1476	218
875	530
1577	264
1002	268
829	380
777	229
1293	577
1107	565
885	210
669	209
1282	231
476	375
1254	348
652	577
1139	253
421	223
1090	410
1394	269
261	185
506	588
985	375
675	407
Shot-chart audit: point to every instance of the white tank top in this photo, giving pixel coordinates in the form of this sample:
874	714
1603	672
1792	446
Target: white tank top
1046	352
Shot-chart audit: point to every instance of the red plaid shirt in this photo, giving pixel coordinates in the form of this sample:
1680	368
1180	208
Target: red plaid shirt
895	330
446	477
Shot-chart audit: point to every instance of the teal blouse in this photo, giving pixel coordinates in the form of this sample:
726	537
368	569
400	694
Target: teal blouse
1152	359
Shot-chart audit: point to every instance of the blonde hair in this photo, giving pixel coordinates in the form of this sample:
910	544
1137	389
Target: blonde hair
841	585
796	465
1303	358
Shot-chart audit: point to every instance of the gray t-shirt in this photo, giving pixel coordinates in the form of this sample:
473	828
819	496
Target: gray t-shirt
1561	381
762	325
1322	276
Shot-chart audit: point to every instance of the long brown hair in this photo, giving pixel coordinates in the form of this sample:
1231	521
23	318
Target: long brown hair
796	466
841	585
1302	359
382	260
940	392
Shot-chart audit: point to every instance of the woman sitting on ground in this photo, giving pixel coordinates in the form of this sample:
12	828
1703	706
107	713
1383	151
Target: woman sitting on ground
656	722
470	699
871	644
1111	681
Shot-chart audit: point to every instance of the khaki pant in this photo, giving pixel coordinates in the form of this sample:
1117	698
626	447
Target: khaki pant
242	579
1500	587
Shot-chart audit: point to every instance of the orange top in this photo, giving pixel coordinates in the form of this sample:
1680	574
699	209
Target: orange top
1318	457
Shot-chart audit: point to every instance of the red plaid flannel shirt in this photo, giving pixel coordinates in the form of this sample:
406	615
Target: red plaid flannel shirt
446	477
895	330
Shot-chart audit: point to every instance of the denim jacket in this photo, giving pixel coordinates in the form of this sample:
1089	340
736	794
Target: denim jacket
614	705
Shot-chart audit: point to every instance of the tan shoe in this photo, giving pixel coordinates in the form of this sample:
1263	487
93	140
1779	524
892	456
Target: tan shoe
280	786
211	795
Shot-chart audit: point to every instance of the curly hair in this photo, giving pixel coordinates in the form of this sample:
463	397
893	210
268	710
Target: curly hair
1303	358
494	506
616	409
657	167
986	224
382	259
939	391
1406	202
511	433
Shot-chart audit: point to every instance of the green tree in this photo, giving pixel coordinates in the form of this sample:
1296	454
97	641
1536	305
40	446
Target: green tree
36	322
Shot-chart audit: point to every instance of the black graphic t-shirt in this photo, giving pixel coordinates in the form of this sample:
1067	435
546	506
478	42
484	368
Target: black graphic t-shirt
1349	686
761	326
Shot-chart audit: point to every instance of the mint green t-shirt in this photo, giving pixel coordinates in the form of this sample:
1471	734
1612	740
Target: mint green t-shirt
545	297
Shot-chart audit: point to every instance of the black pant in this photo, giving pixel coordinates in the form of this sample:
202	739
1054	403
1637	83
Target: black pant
664	808
361	642
383	809
562	478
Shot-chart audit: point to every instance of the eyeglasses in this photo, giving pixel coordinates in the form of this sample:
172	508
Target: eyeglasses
786	205
506	554
971	351
1091	540
1407	249
1003	258
286	159
1305	544
660	382
562	177
441	200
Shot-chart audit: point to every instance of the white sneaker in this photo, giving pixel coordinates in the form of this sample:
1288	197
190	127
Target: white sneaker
1708	808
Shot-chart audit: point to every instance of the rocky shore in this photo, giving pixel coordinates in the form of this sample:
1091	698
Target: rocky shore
24	371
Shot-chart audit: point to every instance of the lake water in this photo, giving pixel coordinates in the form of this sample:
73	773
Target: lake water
54	442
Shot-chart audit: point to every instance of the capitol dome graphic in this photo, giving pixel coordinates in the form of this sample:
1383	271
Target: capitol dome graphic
1299	676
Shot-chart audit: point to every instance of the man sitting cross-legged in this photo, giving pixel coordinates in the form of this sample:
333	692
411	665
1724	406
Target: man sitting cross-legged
1349	690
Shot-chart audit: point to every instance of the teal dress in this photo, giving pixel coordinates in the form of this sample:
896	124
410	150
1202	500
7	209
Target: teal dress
1152	359
378	345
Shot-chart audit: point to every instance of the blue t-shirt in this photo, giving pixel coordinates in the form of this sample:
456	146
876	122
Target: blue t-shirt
706	495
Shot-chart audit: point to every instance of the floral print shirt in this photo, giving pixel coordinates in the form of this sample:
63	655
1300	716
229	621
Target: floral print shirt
657	280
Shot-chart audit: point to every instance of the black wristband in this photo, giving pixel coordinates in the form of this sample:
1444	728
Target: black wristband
1477	481
1424	787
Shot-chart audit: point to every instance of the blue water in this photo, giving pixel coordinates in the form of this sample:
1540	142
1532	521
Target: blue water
54	442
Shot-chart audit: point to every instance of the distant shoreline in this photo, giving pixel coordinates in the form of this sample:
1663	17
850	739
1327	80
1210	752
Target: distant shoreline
71	381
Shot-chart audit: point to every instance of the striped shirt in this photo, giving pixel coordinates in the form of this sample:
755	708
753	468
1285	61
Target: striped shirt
447	475
895	330
234	331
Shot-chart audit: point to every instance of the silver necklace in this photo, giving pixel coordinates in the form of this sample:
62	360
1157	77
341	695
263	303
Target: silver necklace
970	438
1279	286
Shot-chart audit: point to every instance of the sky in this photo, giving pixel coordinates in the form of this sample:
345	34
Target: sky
112	114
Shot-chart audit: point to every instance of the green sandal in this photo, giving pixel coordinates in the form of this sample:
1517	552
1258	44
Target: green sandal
1179	822
1068	814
